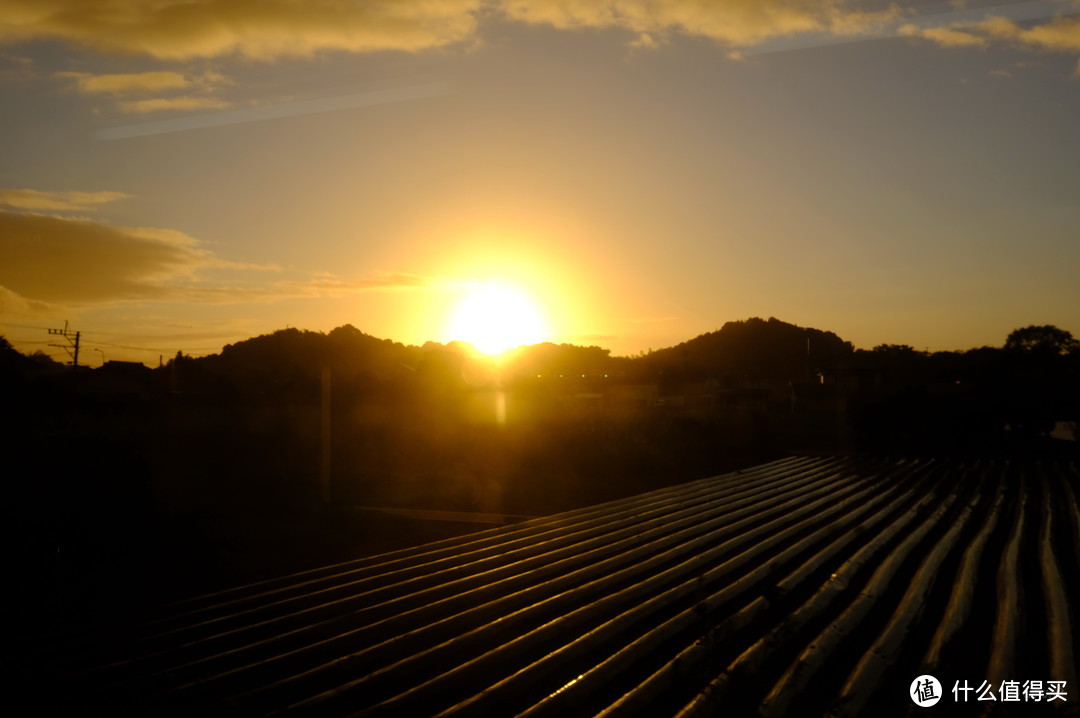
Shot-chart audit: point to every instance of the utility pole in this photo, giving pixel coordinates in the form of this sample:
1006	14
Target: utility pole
72	347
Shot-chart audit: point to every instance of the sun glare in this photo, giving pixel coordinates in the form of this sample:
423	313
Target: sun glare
495	317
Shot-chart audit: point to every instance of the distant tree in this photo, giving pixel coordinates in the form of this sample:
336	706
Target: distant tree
895	349
1044	339
45	360
11	360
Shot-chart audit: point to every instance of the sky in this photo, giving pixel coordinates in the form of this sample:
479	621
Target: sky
177	176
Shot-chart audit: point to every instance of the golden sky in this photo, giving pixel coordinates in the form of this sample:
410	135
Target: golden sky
177	176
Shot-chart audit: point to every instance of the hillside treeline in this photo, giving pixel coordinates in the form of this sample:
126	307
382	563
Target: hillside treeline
184	468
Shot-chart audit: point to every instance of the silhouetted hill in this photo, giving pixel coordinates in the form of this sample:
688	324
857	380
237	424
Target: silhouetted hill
346	350
755	349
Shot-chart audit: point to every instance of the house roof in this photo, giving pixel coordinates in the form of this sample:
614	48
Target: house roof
808	584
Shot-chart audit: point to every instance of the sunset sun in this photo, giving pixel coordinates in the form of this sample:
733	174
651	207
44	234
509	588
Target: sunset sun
494	317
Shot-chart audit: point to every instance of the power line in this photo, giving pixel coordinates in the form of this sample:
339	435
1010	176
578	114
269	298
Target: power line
22	326
84	340
128	346
72	346
50	330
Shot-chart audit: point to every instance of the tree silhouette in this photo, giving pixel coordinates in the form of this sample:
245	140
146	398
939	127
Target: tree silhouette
1044	339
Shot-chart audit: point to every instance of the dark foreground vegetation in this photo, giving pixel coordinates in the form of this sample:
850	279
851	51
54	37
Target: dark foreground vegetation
130	485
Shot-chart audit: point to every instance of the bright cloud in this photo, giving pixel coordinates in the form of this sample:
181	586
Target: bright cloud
1059	34
736	22
31	199
265	29
260	29
183	102
945	36
199	96
122	84
269	29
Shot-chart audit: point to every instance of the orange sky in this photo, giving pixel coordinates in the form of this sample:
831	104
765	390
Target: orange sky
181	176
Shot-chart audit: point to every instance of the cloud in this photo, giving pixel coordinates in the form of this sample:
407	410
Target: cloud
48	261
14	304
258	29
183	102
735	22
944	36
269	29
61	260
127	83
1060	34
645	41
31	199
16	68
272	112
309	287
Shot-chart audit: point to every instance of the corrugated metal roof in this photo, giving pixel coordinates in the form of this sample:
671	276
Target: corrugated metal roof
799	587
